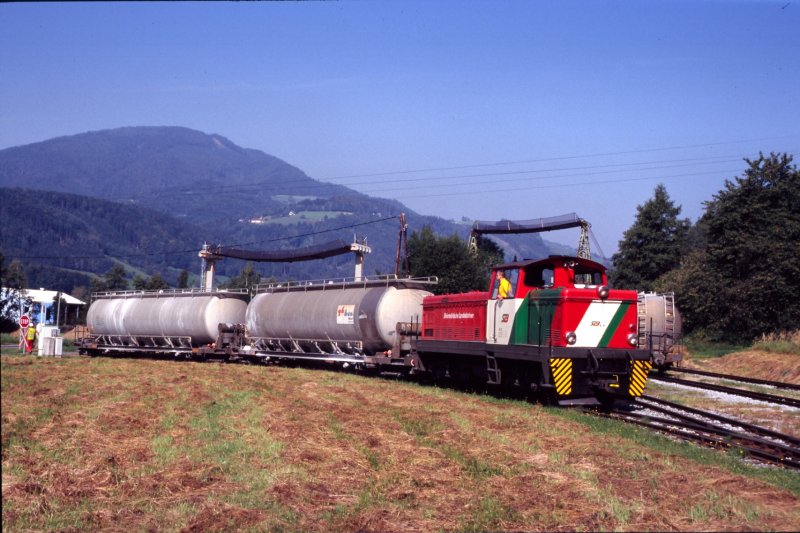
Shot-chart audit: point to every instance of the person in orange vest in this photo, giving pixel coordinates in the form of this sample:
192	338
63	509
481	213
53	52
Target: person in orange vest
30	336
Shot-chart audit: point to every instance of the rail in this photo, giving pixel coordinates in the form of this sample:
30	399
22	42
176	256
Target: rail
754	381
761	396
709	429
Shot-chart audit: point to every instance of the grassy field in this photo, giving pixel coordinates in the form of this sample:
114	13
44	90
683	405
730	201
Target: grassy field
127	444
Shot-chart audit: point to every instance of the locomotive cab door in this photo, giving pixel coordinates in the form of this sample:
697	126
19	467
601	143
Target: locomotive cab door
500	312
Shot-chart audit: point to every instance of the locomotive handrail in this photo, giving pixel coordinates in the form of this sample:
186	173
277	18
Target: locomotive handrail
345	283
170	292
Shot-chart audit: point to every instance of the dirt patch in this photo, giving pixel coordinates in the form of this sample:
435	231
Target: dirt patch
755	364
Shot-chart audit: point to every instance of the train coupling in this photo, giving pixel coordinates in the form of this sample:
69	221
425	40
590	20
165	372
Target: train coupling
609	384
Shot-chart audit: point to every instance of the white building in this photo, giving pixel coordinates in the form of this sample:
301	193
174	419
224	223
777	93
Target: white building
43	309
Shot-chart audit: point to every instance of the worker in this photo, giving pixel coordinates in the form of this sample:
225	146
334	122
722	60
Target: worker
30	336
504	287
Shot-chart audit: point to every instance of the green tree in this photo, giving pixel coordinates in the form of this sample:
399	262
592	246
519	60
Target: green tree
247	277
115	279
153	283
745	281
139	283
12	299
183	279
156	283
652	246
449	258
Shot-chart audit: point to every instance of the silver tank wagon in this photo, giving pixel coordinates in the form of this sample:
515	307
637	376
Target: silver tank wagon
166	314
363	313
660	327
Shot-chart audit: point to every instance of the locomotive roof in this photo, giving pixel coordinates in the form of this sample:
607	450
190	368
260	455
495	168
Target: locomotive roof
552	259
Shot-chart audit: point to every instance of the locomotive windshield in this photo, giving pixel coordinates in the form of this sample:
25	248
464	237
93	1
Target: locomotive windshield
585	276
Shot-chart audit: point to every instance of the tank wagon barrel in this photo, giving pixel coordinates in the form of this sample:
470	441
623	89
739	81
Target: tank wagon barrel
660	327
170	321
335	320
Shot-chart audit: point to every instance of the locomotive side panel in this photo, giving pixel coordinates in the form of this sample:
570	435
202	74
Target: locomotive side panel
455	317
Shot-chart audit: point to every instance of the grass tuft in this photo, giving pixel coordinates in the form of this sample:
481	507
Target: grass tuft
782	343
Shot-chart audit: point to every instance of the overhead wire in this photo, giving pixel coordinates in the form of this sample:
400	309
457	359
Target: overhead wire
563	158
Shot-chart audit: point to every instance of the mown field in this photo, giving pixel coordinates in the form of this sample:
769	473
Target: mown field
104	444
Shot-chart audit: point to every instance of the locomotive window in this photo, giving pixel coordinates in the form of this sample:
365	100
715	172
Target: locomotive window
512	275
540	278
547	277
587	276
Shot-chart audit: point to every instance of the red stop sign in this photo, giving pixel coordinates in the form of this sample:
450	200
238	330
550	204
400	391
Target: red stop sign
24	321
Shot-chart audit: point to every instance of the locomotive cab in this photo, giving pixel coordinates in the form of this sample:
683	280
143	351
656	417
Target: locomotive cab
556	271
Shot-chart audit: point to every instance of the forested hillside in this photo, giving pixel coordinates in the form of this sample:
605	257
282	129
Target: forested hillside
64	238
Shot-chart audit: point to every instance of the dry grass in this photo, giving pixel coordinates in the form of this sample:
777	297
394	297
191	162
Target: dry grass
102	444
783	342
754	363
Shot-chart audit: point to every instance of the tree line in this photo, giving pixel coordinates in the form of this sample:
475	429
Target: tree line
735	272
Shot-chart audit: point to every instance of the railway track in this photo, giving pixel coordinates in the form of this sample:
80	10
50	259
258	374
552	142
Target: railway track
762	396
713	430
754	381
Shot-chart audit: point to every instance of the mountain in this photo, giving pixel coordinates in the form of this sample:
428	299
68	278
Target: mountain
171	169
110	195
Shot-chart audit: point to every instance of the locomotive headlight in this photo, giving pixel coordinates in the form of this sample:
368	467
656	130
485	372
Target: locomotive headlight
633	340
602	291
571	338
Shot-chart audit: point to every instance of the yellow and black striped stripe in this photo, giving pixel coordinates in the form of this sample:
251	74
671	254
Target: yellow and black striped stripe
639	377
562	375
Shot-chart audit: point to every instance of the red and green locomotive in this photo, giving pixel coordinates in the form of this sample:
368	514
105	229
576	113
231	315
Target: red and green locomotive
559	330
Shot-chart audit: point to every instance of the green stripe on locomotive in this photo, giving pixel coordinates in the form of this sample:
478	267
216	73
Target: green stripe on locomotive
534	319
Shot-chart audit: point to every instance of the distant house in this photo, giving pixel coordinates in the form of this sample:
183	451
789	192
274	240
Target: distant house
43	307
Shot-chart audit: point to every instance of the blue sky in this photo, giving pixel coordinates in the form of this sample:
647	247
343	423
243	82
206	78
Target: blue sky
481	109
